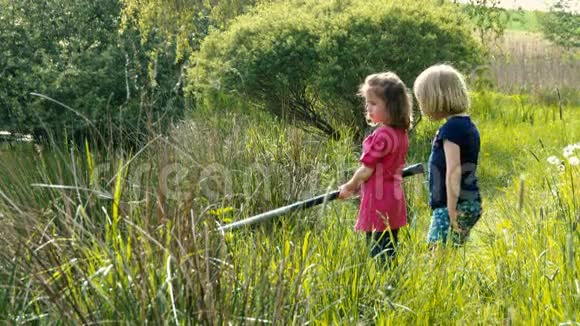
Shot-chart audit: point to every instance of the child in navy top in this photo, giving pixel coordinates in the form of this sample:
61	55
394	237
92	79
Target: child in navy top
454	194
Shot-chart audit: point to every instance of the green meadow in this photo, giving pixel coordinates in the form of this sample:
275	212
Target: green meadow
132	235
113	215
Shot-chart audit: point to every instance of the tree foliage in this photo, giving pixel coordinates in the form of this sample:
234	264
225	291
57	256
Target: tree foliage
490	20
72	51
184	23
304	60
561	25
120	63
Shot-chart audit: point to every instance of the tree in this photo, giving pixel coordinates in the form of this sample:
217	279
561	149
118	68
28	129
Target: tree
489	18
184	23
561	25
71	51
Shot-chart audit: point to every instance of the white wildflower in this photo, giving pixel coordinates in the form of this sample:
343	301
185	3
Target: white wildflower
573	160
570	149
553	160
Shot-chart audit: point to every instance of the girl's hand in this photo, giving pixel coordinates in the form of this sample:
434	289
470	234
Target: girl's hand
455	226
453	215
347	190
352	186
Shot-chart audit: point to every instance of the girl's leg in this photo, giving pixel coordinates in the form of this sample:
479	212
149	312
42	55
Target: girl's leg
470	212
375	248
383	244
388	241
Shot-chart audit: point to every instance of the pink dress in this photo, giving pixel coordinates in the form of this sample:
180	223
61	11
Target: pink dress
382	205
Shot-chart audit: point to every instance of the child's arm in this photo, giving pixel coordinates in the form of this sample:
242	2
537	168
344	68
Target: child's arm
452	180
360	176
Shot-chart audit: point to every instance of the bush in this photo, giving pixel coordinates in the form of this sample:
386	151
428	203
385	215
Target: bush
303	60
72	52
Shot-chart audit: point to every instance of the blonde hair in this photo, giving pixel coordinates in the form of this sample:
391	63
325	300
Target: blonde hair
391	89
441	92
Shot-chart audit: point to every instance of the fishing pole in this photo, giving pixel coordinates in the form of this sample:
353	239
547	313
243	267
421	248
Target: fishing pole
407	171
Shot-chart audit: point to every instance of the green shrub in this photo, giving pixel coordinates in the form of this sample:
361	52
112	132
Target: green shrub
303	60
73	52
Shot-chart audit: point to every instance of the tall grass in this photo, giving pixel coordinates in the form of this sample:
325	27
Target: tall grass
131	238
526	63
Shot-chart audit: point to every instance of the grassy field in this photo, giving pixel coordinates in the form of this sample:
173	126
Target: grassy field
524	62
107	236
523	20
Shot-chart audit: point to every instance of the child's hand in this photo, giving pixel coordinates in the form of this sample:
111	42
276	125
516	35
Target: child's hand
347	190
455	226
453	216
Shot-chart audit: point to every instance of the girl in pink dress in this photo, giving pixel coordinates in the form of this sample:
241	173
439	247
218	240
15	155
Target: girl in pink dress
379	178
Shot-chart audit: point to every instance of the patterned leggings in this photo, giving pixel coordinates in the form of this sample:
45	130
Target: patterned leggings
469	214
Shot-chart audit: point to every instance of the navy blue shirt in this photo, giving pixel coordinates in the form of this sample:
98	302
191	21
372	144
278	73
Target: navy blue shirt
463	132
